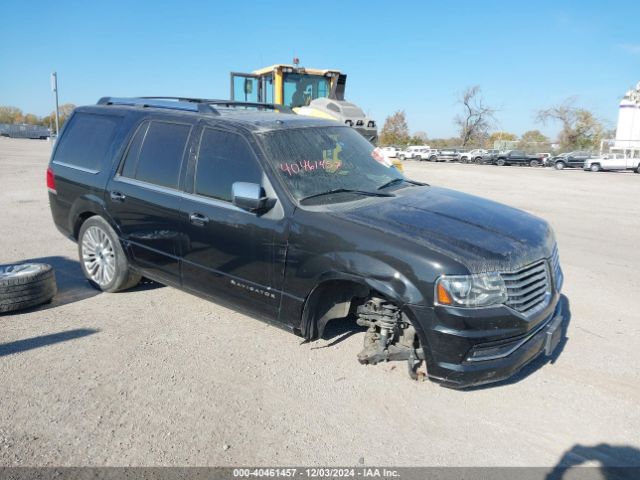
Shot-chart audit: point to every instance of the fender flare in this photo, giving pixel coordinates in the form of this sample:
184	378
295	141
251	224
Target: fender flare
83	205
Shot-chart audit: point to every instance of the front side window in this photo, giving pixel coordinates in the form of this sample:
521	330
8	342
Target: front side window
155	154
316	160
224	158
86	140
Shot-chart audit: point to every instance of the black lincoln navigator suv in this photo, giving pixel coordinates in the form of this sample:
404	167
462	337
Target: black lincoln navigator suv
300	221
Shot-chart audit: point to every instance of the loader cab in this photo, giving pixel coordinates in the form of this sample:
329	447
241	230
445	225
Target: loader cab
287	85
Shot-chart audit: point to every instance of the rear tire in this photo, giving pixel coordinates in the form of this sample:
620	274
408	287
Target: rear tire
26	285
102	258
500	162
401	157
595	167
418	158
534	163
559	165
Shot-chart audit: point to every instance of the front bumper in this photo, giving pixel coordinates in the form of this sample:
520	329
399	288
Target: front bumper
469	348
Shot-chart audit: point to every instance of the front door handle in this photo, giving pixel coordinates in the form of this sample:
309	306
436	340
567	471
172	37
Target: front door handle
117	196
198	219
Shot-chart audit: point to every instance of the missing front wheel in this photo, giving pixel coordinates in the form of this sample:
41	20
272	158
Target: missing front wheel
390	336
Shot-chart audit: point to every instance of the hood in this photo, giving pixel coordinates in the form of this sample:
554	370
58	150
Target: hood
480	234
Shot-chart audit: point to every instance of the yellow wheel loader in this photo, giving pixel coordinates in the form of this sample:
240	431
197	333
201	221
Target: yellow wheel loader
307	91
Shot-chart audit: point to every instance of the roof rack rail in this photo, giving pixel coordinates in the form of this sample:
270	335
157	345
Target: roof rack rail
258	105
201	105
172	103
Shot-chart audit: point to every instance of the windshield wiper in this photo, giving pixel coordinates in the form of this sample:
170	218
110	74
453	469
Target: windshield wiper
348	190
398	180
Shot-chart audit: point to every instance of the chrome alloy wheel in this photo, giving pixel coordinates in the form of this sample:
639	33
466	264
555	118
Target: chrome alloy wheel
98	256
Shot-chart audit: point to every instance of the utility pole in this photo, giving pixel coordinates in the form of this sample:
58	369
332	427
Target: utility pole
54	89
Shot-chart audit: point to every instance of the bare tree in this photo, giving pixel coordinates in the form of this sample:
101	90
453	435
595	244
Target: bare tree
580	128
477	117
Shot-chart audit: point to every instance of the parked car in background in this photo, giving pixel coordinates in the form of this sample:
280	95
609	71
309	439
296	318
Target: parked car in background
517	157
390	152
573	159
612	161
414	152
432	154
447	155
472	156
545	157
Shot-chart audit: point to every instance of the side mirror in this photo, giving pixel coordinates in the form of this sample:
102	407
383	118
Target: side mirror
250	197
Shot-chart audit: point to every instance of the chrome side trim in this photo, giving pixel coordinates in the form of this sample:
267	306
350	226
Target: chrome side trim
178	193
148	186
76	167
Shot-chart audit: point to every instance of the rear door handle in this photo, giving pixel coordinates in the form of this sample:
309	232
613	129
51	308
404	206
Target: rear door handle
117	196
198	219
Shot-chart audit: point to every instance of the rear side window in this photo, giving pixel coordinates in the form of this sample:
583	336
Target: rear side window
156	152
87	140
224	158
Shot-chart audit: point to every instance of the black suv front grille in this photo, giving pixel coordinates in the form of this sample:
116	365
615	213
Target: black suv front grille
556	271
528	289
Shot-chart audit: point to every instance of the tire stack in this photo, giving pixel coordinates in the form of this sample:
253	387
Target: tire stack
26	285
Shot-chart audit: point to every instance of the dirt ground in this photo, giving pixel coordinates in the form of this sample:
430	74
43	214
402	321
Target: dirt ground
155	376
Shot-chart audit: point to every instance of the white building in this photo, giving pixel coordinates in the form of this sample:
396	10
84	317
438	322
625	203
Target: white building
628	130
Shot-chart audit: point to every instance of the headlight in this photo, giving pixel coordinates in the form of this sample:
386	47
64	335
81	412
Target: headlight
481	290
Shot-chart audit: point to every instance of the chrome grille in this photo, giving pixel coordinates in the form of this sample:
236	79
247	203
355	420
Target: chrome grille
528	289
556	271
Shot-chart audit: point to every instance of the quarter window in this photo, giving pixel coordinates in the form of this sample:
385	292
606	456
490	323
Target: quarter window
87	140
224	158
156	152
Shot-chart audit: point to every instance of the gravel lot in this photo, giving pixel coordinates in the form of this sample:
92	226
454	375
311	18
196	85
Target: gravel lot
155	376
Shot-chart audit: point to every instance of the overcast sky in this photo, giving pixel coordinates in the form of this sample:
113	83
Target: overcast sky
416	56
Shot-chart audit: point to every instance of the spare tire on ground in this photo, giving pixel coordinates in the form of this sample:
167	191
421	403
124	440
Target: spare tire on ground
26	285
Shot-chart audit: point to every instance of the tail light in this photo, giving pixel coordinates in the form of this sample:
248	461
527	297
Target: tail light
51	181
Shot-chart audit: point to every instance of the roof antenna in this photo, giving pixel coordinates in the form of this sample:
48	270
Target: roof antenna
296	62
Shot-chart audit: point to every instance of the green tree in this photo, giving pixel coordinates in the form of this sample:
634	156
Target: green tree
418	138
534	141
444	142
64	111
395	130
10	114
31	119
497	138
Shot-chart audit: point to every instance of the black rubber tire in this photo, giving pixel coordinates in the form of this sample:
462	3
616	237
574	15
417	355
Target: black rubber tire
559	166
534	163
500	162
18	292
401	157
595	167
638	169
123	278
418	158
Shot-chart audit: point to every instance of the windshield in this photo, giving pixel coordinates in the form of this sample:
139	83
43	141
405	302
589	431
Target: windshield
315	160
